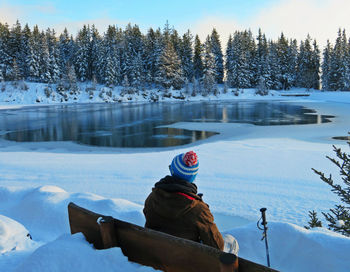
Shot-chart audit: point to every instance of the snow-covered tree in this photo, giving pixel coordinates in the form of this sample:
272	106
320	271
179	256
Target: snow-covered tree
327	52
186	55
218	56
262	64
170	73
66	50
82	56
6	61
240	60
308	65
153	52
197	59
209	69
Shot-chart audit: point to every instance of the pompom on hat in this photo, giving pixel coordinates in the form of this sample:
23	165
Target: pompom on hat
185	166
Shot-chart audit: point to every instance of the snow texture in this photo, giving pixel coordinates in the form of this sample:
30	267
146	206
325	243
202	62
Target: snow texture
242	169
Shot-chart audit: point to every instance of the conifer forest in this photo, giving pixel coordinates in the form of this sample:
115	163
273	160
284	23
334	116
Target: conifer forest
163	59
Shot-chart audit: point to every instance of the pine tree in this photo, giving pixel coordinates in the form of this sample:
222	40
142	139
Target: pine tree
339	217
6	61
44	60
186	55
109	64
153	52
209	69
228	62
72	80
218	56
336	64
137	71
283	63
65	51
95	53
82	57
263	69
241	60
33	56
16	74
25	50
327	52
308	65
197	59
314	221
171	73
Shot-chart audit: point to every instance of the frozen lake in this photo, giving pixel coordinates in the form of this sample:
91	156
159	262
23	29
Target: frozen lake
144	125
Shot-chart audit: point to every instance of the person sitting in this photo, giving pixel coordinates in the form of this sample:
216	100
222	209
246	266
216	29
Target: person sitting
174	207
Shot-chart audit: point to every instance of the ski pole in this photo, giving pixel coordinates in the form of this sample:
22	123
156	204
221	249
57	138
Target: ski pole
264	223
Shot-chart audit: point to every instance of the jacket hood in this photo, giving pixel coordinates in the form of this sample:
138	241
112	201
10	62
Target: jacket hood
167	203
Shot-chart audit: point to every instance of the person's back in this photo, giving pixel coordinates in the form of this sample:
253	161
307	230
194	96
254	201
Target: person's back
171	210
175	208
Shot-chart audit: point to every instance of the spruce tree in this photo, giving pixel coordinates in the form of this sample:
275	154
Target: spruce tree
82	57
218	56
6	60
171	73
314	221
186	55
339	217
327	52
336	64
263	69
209	69
197	59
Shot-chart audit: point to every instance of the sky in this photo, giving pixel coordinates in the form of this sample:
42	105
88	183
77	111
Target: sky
295	18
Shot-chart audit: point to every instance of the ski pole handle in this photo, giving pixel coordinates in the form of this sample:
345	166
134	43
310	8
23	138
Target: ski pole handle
263	215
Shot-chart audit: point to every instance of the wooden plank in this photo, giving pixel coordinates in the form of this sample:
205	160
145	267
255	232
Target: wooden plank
152	248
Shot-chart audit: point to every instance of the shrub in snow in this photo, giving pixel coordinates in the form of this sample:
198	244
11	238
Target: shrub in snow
225	87
3	86
261	89
23	86
13	235
314	221
48	91
339	217
236	92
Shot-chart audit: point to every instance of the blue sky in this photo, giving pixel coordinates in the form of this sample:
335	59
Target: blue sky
296	18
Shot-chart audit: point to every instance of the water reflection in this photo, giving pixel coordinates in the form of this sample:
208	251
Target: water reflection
131	125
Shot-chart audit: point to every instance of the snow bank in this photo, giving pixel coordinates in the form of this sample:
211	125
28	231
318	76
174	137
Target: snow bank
43	211
293	248
13	235
74	253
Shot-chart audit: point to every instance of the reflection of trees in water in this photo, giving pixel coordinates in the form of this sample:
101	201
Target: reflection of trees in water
121	125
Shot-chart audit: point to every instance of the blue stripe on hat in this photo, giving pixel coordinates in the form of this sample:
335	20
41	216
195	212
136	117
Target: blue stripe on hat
180	169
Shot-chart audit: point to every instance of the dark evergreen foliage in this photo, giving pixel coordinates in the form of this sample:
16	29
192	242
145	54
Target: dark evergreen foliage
339	217
314	222
249	62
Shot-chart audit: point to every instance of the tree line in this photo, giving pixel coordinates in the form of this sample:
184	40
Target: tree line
162	58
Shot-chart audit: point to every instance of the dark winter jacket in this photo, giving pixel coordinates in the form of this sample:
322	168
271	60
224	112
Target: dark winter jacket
175	208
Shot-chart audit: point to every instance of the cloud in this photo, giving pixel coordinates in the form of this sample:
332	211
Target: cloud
224	27
10	13
295	18
101	25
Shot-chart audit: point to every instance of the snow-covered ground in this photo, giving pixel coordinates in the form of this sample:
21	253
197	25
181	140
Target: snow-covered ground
242	169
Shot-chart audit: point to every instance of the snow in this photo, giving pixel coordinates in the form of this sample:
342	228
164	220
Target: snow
242	169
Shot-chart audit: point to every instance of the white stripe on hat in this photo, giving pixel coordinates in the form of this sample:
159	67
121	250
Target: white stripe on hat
185	170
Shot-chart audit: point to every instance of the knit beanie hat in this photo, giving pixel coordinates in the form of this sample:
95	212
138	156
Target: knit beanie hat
185	166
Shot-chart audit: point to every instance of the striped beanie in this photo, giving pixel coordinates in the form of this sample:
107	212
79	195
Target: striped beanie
185	166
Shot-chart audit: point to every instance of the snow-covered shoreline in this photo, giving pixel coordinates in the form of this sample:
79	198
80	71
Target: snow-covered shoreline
239	174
